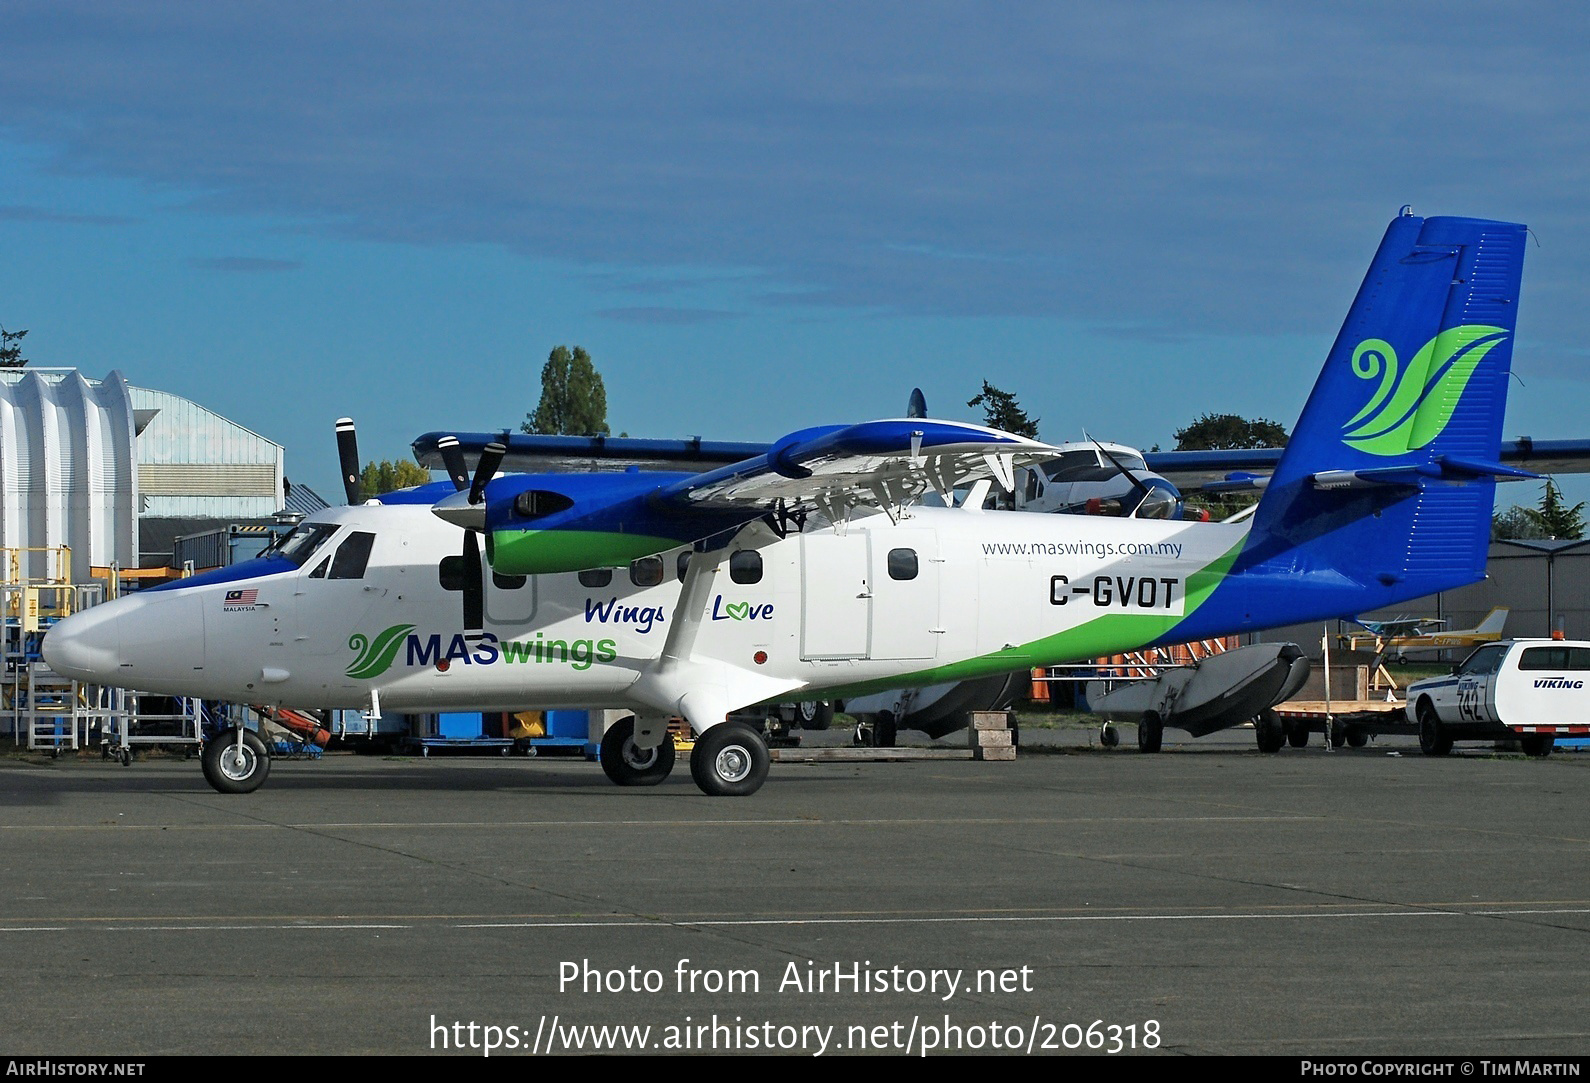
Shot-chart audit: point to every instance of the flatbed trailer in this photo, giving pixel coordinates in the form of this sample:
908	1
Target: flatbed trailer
1353	721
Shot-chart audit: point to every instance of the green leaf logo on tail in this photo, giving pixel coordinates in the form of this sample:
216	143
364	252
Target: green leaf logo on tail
376	658
1411	406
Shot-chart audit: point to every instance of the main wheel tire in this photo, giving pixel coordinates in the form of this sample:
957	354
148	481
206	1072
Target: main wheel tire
1297	734
729	760
627	764
1150	732
815	714
1269	731
1538	745
233	768
884	730
1357	737
1433	737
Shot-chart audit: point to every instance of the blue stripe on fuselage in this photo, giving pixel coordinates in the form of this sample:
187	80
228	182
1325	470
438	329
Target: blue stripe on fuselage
248	569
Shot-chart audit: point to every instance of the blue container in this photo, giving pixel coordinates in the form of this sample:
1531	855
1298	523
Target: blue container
465	725
568	724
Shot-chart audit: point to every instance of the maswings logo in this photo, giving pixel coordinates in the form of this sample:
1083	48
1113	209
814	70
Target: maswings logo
1412	405
375	658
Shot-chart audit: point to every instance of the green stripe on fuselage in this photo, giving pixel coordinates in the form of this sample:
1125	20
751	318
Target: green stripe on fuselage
1106	635
532	552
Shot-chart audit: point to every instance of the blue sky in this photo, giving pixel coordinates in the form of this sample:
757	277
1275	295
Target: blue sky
759	217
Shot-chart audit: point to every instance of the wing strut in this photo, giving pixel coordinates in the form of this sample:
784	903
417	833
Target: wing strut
688	611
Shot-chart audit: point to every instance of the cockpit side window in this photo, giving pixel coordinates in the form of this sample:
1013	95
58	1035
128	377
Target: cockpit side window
1076	466
301	544
352	556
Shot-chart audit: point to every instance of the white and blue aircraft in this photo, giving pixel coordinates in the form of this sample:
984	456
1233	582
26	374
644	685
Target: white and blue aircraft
812	570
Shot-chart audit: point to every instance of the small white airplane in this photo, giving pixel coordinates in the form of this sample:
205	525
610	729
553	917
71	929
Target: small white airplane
813	571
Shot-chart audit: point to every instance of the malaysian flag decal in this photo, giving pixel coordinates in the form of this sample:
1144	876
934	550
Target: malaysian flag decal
239	599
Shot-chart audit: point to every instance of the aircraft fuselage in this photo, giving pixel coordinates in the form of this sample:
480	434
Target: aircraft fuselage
942	594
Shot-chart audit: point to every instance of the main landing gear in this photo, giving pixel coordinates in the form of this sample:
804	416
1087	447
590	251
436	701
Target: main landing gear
628	764
729	760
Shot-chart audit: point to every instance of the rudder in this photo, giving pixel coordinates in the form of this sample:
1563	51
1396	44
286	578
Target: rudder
1386	488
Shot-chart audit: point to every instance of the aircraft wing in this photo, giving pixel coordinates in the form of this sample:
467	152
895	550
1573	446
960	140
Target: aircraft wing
1193	470
553	522
881	463
1187	470
1401	626
534	454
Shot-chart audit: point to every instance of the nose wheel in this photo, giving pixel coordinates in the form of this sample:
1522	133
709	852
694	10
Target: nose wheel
235	761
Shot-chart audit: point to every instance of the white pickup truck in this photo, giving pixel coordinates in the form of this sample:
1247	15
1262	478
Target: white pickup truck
1531	690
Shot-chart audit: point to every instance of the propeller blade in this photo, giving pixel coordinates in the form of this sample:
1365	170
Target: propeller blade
486	469
917	406
453	460
348	454
474	588
1137	482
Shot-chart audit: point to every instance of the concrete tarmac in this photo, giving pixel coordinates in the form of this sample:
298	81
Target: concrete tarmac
1205	900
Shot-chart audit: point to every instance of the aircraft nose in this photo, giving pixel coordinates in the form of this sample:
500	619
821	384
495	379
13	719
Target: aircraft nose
86	646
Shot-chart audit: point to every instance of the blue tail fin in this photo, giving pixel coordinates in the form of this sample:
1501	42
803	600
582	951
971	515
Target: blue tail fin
1385	491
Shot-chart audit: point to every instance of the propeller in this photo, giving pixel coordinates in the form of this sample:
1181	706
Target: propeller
1137	483
474	577
486	469
348	454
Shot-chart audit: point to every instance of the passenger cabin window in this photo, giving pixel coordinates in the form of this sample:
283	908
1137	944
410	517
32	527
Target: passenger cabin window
745	567
508	582
646	572
352	556
683	565
596	578
1558	658
902	564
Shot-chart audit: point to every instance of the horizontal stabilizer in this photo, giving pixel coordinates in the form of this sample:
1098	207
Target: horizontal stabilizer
1443	468
1238	483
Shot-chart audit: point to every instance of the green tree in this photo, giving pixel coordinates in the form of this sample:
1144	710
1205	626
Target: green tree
10	350
1513	525
573	399
1228	432
1002	411
385	477
1551	519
